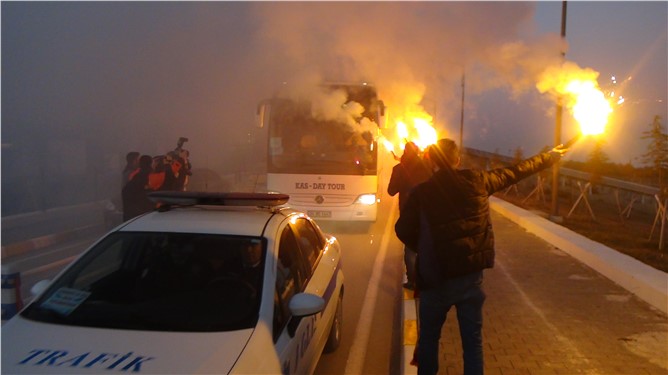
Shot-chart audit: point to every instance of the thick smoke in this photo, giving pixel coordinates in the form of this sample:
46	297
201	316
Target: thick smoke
86	82
409	51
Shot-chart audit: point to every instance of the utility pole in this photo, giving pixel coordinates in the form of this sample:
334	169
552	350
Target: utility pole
461	119
557	133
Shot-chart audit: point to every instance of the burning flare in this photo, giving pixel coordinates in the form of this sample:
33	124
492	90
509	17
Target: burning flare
590	109
422	133
426	134
581	94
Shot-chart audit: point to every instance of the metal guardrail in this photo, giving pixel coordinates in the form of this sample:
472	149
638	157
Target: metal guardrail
612	182
575	174
661	216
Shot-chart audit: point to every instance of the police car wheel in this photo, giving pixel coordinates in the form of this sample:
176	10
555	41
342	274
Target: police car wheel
334	338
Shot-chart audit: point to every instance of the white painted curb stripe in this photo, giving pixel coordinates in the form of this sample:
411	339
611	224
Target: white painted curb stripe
355	363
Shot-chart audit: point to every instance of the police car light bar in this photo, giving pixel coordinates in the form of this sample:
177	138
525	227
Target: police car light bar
190	198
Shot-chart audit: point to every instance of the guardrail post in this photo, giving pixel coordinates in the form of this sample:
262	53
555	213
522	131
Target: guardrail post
659	218
663	224
11	292
583	196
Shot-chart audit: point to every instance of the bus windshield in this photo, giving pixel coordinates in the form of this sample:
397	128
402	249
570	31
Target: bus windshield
302	143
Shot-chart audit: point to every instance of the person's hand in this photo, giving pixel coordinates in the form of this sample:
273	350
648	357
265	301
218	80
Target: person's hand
559	150
395	156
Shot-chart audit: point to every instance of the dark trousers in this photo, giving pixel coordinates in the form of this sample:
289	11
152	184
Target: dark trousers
466	294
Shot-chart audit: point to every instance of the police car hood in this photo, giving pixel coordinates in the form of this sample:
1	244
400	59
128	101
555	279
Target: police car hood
32	347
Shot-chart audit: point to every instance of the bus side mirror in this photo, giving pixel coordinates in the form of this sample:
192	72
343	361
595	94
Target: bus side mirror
382	120
262	115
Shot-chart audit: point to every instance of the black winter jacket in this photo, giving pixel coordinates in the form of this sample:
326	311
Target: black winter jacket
447	219
405	176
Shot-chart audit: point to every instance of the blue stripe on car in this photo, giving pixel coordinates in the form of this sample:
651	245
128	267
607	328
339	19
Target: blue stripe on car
331	287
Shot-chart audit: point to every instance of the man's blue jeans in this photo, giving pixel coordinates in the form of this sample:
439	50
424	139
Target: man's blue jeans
466	294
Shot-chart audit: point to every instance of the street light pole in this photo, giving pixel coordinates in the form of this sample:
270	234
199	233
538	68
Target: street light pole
461	119
557	133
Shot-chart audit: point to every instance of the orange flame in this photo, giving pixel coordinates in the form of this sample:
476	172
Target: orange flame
583	97
416	128
590	109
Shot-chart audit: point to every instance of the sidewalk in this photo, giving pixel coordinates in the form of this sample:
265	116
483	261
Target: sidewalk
549	313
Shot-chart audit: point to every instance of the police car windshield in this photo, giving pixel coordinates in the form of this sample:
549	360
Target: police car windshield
159	281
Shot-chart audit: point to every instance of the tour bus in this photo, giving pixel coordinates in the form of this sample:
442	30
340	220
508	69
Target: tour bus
326	159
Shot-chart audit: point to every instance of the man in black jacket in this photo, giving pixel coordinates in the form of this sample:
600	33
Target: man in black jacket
446	219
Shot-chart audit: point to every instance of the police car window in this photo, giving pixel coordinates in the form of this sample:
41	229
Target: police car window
160	281
290	279
310	242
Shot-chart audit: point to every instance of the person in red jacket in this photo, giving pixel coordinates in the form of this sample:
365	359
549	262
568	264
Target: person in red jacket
447	221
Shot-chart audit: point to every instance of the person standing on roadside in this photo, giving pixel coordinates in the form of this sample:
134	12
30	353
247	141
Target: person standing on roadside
135	198
131	167
447	221
410	172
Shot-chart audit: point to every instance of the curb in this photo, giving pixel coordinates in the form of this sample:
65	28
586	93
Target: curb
648	283
409	330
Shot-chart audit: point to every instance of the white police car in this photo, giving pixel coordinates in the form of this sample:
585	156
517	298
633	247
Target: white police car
211	283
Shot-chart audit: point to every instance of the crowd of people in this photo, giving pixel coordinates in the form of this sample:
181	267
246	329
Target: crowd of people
145	173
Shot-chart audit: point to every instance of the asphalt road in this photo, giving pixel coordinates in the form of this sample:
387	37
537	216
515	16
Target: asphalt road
373	266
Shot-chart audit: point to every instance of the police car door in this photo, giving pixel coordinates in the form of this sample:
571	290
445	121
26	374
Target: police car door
292	335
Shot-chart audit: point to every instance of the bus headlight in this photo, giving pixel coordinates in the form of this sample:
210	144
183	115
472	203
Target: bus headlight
366	199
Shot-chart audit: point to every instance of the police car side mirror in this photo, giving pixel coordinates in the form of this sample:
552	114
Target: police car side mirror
305	304
39	287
